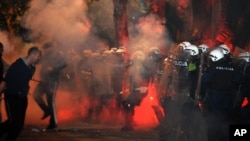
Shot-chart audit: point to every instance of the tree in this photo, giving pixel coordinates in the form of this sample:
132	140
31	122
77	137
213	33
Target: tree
120	20
11	12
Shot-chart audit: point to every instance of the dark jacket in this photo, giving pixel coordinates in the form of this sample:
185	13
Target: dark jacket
17	78
221	80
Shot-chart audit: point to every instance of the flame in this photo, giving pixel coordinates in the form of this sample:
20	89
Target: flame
144	114
65	115
245	102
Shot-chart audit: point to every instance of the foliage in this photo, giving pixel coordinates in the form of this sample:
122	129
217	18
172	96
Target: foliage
11	12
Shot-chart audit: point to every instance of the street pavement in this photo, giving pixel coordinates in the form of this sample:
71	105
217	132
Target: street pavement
86	132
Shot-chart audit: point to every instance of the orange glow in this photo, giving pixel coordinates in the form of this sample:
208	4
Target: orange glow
245	102
144	114
70	106
65	115
70	109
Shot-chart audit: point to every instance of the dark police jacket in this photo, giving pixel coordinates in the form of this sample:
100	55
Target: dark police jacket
17	78
221	76
221	80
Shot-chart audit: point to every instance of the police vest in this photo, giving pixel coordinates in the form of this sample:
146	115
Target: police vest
223	77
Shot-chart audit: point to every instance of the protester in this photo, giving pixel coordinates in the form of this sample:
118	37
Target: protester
15	86
52	63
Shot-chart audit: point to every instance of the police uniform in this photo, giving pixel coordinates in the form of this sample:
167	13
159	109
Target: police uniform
221	79
102	84
242	114
180	78
119	65
193	69
136	88
246	94
85	73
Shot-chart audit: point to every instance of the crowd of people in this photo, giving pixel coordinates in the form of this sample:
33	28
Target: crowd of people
209	85
199	88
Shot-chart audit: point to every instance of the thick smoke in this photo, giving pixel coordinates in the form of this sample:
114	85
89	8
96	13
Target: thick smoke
13	48
67	24
64	22
150	32
101	14
4	39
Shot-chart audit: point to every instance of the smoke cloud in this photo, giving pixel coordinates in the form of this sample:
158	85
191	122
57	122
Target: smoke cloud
4	39
75	26
64	22
150	32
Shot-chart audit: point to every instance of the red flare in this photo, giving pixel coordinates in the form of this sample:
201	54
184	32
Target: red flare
144	114
245	102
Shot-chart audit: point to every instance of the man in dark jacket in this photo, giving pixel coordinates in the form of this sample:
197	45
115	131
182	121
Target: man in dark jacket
51	65
16	86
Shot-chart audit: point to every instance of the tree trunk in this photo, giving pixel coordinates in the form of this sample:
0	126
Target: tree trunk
120	20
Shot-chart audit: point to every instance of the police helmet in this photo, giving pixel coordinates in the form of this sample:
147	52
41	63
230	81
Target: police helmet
203	47
225	49
192	50
120	50
155	50
184	44
113	50
106	52
245	56
87	52
216	55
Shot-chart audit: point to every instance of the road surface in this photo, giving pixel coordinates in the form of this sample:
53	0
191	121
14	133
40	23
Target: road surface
86	132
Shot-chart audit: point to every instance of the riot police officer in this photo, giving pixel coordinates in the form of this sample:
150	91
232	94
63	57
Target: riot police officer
136	87
119	65
193	68
180	80
243	112
204	64
179	65
221	78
